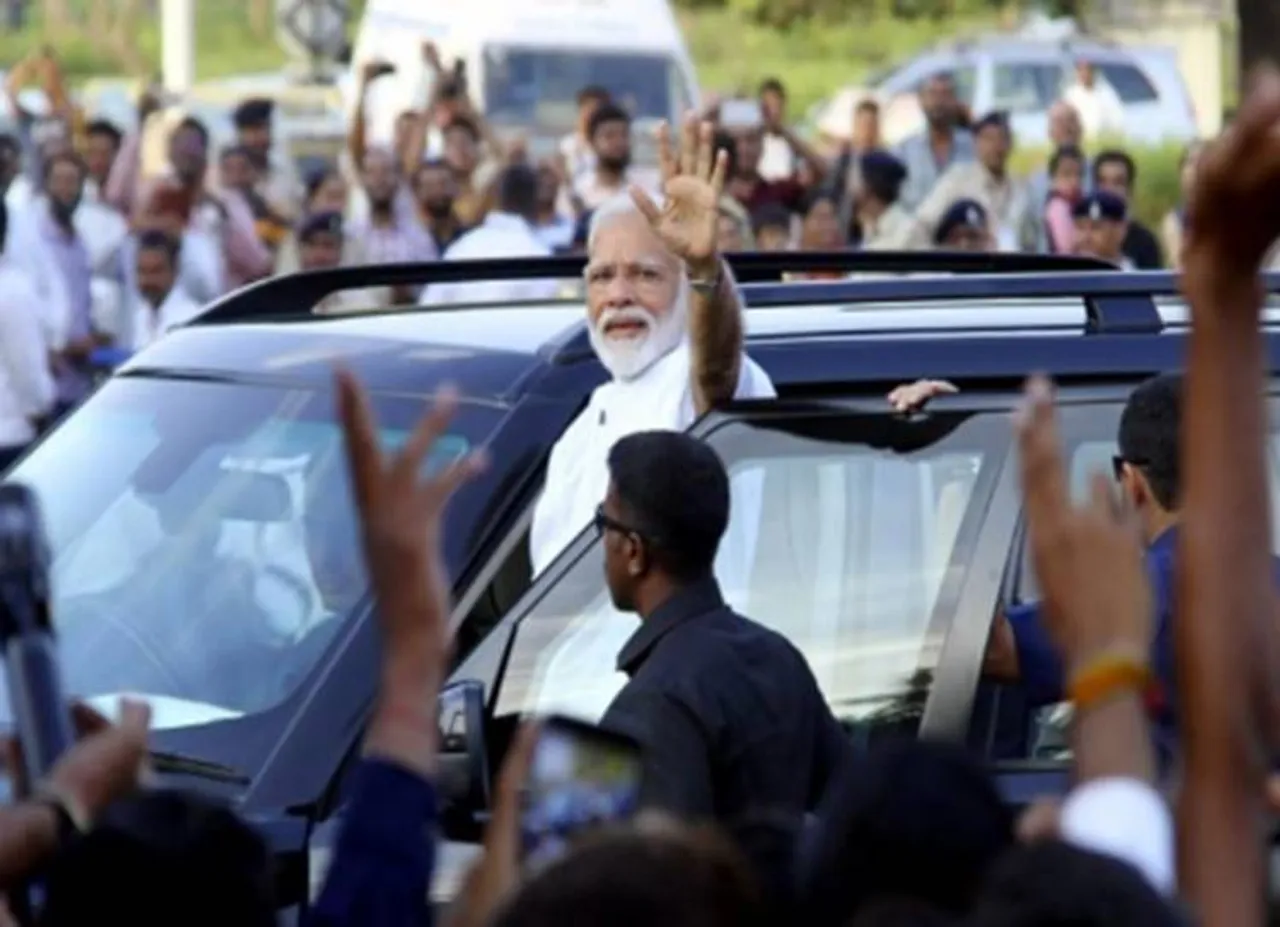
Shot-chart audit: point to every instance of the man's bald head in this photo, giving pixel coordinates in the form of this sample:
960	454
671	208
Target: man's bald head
1065	128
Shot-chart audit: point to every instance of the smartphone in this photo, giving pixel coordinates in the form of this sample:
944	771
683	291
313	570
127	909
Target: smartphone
581	777
740	114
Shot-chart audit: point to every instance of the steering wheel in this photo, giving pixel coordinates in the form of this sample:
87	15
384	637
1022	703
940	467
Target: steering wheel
93	611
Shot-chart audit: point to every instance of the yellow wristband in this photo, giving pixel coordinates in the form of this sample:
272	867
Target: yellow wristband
1106	677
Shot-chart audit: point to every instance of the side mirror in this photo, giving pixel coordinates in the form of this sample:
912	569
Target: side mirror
464	756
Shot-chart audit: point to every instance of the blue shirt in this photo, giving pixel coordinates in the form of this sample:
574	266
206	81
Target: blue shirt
1040	667
923	169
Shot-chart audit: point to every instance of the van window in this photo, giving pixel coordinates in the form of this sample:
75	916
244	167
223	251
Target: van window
846	534
1129	83
1026	86
539	87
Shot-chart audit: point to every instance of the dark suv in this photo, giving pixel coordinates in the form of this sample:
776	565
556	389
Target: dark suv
205	551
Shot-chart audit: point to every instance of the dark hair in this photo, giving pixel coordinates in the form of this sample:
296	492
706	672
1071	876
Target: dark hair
106	129
606	113
900	912
772	85
633	879
1150	432
233	151
432	164
317	178
192	124
771	215
675	491
160	852
463	124
517	188
1052	884
10	142
912	820
883	176
157	240
1065	153
867	105
593	93
1116	156
4	225
818	195
63	157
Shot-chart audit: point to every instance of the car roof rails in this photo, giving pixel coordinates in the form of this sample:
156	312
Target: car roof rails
296	295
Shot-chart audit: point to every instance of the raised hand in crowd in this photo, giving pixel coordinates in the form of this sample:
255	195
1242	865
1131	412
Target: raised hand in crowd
693	179
105	765
1226	629
1098	605
401	514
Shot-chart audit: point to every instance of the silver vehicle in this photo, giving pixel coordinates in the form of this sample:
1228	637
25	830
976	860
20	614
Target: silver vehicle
1024	77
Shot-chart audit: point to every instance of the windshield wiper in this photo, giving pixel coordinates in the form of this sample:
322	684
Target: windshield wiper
194	766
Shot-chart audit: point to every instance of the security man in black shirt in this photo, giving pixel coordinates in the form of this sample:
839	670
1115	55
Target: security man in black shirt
727	712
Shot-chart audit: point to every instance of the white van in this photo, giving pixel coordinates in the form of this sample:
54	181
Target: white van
526	60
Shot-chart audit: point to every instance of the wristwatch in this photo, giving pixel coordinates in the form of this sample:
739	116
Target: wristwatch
707	287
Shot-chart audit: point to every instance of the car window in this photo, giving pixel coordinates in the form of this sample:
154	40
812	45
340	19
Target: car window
1089	434
965	78
842	532
204	546
1026	86
1128	81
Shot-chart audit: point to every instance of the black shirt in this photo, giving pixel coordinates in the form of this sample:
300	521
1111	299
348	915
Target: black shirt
1141	247
727	712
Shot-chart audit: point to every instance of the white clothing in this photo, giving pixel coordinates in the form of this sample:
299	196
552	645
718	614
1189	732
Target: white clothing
500	235
26	382
778	160
1126	819
149	323
103	231
578	474
1101	112
579	159
594	194
579	676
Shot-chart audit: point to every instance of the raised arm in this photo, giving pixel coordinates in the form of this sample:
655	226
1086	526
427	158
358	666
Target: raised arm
692	183
1226	641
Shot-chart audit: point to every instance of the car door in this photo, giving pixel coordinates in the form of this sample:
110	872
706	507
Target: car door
1148	116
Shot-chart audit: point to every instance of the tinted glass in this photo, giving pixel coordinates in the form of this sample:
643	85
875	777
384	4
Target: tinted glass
964	78
540	88
1129	83
205	549
844	532
1026	86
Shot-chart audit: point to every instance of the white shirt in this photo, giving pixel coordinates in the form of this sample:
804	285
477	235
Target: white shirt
578	675
501	235
151	322
1126	819
778	160
26	383
661	398
1101	111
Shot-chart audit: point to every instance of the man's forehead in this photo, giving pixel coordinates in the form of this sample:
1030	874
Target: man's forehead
628	239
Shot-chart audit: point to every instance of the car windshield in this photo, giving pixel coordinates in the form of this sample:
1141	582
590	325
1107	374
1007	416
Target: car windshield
539	88
847	532
204	545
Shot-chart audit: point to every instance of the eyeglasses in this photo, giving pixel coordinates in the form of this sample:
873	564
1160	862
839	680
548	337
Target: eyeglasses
604	522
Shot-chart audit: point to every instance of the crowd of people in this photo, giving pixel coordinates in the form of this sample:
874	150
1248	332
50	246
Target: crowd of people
757	807
116	258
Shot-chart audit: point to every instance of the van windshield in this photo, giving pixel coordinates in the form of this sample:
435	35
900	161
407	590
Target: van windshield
539	87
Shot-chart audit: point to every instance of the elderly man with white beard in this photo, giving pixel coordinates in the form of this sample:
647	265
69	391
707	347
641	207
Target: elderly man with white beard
665	320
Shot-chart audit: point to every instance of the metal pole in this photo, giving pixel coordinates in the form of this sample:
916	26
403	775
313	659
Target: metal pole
178	44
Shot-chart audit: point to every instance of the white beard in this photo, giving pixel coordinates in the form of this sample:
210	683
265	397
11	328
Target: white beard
628	358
